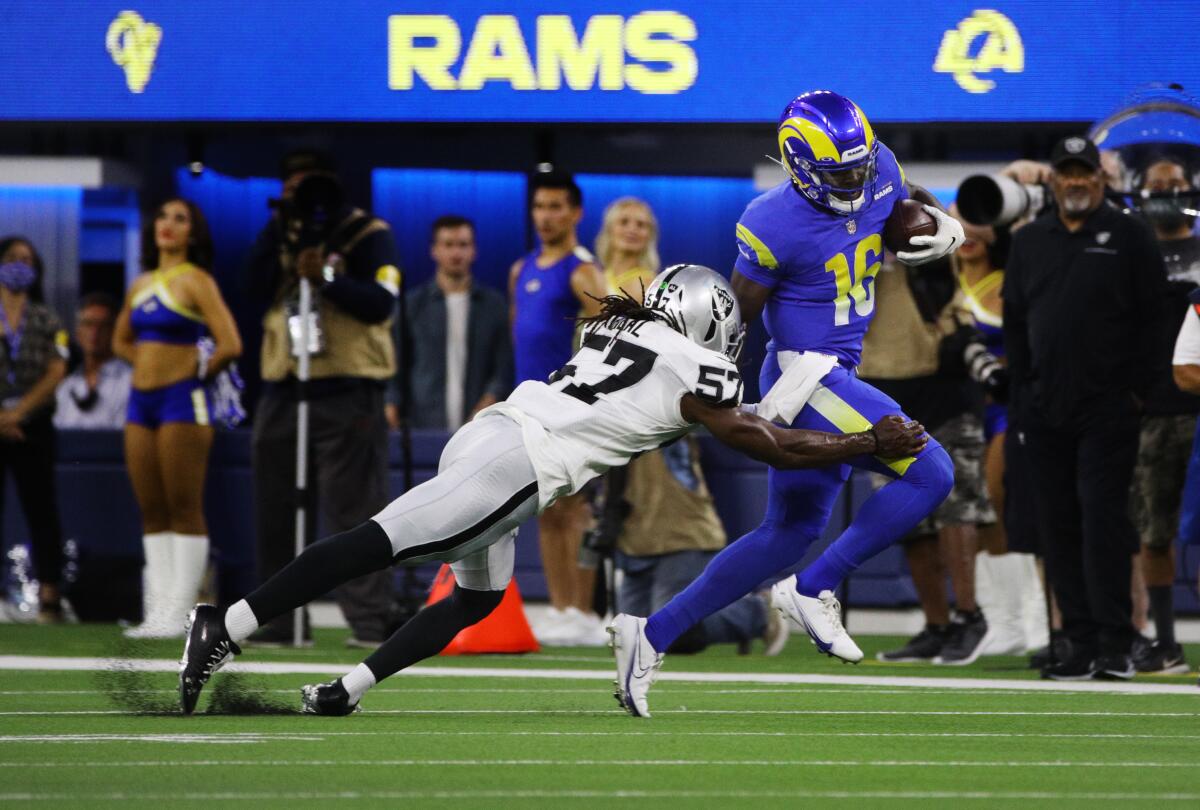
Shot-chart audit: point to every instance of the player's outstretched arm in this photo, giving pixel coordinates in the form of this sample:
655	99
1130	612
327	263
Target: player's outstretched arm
891	437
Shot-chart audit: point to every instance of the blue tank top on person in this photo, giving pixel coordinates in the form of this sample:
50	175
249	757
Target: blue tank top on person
156	316
989	323
546	308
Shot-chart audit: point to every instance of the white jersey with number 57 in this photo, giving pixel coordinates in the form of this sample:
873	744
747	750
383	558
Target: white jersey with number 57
617	397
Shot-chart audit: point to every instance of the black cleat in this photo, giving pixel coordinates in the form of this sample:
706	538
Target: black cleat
924	646
1160	659
967	637
1113	668
330	699
207	648
1079	667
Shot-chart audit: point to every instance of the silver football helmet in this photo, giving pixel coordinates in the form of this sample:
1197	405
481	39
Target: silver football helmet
699	304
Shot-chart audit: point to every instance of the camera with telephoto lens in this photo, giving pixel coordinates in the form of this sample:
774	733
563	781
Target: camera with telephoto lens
993	199
309	216
311	213
965	352
986	369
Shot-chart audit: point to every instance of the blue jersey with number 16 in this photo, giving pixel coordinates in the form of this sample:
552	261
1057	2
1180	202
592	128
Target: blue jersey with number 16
820	266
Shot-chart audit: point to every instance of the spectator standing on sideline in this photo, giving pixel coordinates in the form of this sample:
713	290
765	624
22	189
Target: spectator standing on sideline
95	396
548	289
1083	296
914	352
33	360
168	430
1168	421
627	246
460	351
352	268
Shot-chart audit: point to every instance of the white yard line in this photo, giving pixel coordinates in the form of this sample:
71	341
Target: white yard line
573	763
799	793
321	736
65	664
458	690
598	711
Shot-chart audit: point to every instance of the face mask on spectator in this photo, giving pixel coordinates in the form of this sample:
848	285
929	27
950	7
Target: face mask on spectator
17	276
1166	214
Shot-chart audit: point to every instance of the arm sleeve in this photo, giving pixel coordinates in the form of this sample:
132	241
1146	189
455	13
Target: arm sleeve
369	287
1187	343
755	260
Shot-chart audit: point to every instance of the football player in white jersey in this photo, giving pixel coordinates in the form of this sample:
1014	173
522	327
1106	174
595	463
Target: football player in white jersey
646	374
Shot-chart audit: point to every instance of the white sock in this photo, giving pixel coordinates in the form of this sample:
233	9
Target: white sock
156	577
240	621
190	564
357	681
999	595
1033	597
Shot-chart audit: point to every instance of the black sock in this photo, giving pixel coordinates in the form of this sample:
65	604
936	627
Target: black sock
321	568
428	633
1162	605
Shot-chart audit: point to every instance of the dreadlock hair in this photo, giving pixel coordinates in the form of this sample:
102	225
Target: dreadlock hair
623	305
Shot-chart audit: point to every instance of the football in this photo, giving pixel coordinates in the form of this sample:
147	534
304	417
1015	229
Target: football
908	219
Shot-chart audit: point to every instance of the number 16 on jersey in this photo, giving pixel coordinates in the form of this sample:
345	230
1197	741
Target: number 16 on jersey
857	286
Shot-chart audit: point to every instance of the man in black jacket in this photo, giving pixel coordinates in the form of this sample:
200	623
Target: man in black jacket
349	257
459	350
1082	302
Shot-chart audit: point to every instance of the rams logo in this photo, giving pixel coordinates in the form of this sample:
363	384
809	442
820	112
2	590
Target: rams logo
133	45
1002	49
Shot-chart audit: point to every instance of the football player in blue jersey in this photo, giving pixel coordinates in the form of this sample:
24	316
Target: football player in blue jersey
809	250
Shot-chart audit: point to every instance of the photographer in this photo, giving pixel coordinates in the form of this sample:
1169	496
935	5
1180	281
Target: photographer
350	259
1082	314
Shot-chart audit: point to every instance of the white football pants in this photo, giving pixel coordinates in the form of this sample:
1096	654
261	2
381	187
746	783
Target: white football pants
468	515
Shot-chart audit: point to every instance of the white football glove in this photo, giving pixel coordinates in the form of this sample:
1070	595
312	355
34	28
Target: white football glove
947	239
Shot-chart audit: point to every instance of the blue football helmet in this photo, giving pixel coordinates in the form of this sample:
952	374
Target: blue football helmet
829	149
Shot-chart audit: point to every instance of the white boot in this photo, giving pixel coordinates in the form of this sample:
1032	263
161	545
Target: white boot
1033	603
1000	593
191	563
157	574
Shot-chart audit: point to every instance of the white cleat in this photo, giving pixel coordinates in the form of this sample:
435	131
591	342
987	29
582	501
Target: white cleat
821	618
637	663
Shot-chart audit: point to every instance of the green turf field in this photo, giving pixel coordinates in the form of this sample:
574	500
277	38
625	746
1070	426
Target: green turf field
502	737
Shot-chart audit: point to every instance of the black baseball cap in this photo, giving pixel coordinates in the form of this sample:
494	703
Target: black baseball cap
306	160
1075	148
